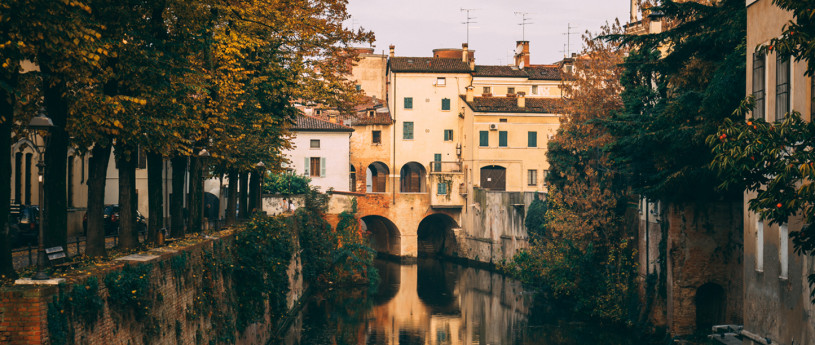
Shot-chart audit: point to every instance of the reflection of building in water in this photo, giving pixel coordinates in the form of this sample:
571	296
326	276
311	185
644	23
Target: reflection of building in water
435	303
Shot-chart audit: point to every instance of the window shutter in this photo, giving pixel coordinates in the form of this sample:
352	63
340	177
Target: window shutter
322	166
442	188
533	139
408	102
445	104
306	167
502	138
484	138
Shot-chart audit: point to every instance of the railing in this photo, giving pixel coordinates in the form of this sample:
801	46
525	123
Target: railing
445	167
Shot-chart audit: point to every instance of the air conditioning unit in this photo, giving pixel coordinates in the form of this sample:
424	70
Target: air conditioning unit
493	126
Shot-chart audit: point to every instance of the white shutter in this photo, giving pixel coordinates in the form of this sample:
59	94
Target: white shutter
322	166
306	167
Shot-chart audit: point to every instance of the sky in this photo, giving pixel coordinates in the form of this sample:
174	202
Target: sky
416	27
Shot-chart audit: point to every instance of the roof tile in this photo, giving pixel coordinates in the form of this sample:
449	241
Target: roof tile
304	123
510	105
428	64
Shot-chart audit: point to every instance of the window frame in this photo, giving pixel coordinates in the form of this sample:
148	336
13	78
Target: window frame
535	89
441	188
510	90
441	81
376	137
782	86
503	139
759	84
448	135
405	126
311	143
532	177
445	101
486	90
483	138
532	139
408	103
314	162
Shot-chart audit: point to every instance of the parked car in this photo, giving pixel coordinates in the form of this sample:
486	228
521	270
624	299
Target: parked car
24	222
110	220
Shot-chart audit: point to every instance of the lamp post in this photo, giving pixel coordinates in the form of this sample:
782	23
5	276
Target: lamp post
43	125
203	155
259	195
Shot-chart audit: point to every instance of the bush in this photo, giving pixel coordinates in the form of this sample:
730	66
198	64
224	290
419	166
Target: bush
286	184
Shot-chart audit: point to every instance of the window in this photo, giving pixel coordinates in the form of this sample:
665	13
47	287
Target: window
759	246
359	87
448	135
486	89
315	166
27	177
442	188
543	177
445	104
532	139
412	178
408	102
534	89
371	113
782	87
318	111
376	137
783	250
441	81
502	139
483	138
407	130
436	167
315	143
510	90
502	120
352	178
532	177
758	84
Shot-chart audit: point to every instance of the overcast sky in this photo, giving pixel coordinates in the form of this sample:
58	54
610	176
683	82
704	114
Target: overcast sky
416	27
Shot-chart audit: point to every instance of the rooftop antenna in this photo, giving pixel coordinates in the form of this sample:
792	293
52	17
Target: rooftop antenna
468	21
524	22
564	50
569	34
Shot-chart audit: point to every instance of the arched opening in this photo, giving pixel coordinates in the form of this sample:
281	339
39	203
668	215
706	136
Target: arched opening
384	235
436	236
376	177
436	286
412	178
494	177
352	178
710	307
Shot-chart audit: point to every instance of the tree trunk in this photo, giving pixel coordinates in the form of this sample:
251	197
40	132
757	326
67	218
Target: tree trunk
6	121
56	212
155	198
196	188
128	234
243	210
177	198
97	180
232	198
254	182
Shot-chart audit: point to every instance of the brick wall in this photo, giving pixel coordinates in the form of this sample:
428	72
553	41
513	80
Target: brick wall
24	308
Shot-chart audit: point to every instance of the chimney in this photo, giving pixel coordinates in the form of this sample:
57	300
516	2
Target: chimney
521	100
393	50
470	93
465	53
522	53
472	64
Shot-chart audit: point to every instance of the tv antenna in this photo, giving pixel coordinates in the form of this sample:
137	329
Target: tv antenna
468	21
569	34
524	22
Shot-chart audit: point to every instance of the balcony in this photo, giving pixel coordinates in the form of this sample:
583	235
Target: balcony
447	188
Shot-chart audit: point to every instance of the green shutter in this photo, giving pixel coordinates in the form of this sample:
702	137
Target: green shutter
306	170
484	138
407	130
442	188
533	139
448	135
502	139
322	166
408	102
445	104
436	166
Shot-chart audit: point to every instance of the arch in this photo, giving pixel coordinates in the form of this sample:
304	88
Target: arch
376	177
384	235
390	278
352	178
436	237
494	177
412	178
710	307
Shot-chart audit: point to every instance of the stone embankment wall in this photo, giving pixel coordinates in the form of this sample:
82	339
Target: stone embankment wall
493	227
185	293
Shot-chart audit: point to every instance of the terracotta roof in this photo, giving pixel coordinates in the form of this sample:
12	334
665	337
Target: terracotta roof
544	72
540	72
427	64
305	123
499	71
510	105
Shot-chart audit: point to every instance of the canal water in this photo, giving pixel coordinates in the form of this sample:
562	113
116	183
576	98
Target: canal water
437	302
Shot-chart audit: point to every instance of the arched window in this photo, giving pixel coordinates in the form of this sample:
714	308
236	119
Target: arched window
412	178
376	177
494	177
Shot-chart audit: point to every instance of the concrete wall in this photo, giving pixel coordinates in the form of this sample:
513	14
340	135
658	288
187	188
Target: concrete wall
369	74
493	225
334	147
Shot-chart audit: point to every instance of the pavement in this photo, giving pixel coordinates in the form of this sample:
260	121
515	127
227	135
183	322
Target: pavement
27	256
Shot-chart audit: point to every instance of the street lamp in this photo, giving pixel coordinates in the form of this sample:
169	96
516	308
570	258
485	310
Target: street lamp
43	125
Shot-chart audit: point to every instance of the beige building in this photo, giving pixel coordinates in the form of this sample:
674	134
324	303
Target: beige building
777	295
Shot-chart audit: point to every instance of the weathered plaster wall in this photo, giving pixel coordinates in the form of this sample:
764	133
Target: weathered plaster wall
493	229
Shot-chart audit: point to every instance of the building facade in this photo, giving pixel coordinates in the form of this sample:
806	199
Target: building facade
321	152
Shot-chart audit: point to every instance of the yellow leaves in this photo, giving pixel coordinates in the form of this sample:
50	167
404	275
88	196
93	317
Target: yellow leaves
117	124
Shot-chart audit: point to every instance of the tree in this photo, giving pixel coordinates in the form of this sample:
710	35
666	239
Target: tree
678	88
798	36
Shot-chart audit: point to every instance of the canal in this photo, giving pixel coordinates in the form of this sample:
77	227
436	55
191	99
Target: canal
437	302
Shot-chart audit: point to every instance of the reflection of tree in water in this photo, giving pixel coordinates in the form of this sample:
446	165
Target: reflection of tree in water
435	285
336	317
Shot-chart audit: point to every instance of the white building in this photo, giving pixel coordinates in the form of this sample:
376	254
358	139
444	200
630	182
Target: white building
321	152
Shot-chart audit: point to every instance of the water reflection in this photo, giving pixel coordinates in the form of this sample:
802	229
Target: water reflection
436	303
